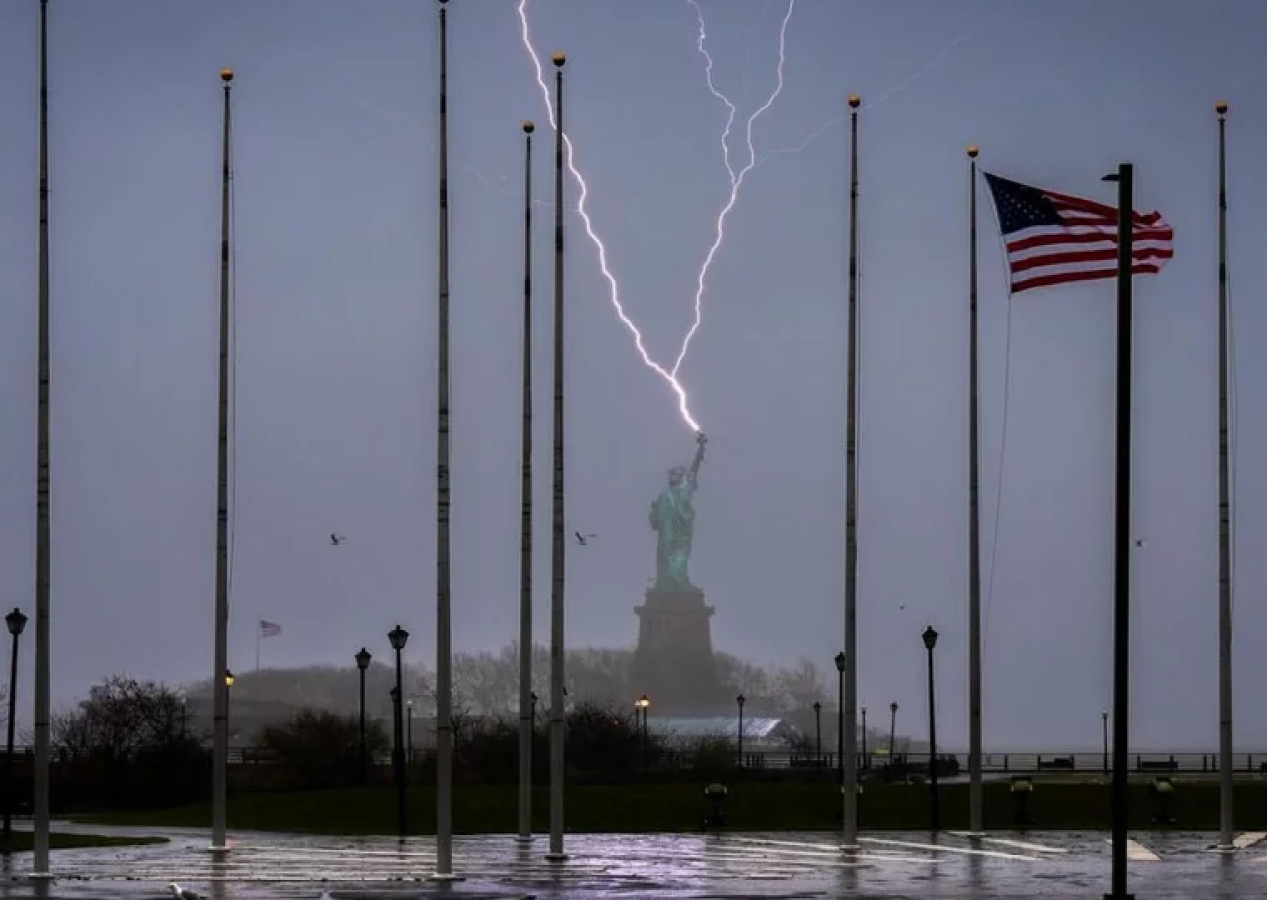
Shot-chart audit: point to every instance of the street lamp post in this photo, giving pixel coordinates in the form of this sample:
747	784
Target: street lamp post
818	733
1104	722
16	621
840	717
865	762
892	737
739	701
398	637
930	641
362	663
228	696
641	709
184	717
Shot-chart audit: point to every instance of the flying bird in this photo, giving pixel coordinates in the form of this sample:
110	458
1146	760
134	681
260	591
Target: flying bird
183	893
584	539
336	539
1140	542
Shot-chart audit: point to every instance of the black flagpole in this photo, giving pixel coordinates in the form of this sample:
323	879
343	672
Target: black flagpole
525	524
558	546
43	529
1125	178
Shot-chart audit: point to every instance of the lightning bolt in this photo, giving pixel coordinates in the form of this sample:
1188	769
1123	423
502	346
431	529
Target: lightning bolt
612	283
736	178
935	63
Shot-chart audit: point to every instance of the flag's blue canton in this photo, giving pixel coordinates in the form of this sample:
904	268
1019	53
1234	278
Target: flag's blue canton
1021	206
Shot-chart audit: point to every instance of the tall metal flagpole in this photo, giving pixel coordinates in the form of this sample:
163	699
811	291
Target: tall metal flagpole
558	572
849	835
1225	520
525	528
444	635
219	688
42	475
975	817
1125	178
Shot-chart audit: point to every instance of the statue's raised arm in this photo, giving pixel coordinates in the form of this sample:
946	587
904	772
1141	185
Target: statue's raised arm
701	442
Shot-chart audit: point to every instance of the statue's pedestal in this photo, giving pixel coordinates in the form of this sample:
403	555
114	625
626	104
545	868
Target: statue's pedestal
673	663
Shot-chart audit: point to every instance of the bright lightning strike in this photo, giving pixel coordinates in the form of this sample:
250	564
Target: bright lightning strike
613	285
736	178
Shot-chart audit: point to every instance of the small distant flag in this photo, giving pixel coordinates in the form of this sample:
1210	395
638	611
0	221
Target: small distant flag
269	629
1057	238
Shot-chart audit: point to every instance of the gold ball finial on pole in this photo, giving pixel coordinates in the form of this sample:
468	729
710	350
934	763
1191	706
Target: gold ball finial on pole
559	58
529	128
854	101
1221	108
226	75
973	151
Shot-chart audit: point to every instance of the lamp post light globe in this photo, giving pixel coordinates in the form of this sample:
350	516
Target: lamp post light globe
840	662
930	638
398	637
529	127
644	701
16	621
226	75
559	59
228	678
363	659
741	700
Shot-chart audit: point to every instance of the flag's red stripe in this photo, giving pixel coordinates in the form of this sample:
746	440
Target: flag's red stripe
1082	205
1088	237
1025	284
1074	257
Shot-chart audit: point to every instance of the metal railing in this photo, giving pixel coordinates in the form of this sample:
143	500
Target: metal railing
1001	764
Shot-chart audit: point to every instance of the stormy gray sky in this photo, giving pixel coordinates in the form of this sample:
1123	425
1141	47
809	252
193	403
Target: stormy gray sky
335	246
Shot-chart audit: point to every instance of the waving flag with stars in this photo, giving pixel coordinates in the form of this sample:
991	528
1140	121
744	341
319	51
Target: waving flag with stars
1055	238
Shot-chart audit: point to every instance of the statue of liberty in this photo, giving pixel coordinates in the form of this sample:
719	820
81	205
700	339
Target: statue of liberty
673	519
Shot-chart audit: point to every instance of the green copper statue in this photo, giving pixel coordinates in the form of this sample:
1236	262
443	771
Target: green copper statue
673	520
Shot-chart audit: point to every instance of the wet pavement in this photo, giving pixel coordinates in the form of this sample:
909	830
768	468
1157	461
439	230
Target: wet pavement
783	866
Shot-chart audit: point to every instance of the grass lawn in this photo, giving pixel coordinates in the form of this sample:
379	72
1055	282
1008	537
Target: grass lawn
754	806
20	841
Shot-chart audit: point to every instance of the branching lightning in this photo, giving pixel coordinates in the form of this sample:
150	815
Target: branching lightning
736	178
613	285
935	63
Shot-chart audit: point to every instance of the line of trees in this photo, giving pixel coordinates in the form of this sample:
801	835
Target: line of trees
486	684
143	743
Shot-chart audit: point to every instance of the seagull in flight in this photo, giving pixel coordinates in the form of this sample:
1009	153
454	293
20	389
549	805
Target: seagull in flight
336	539
183	893
584	539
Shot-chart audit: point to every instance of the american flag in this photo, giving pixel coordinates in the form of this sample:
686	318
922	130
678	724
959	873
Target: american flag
1057	238
269	629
